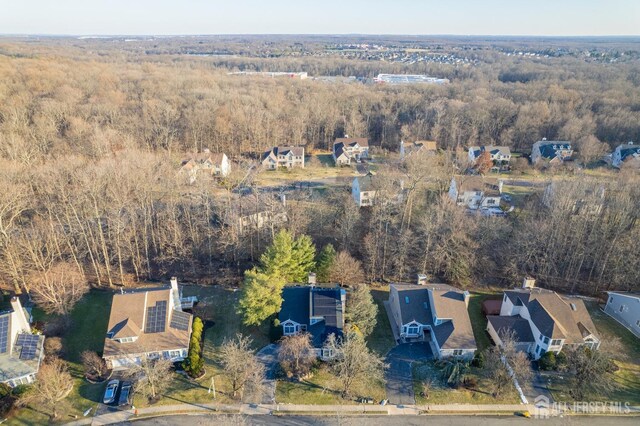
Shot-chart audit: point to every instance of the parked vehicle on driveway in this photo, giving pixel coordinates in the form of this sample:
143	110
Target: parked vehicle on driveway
125	394
110	392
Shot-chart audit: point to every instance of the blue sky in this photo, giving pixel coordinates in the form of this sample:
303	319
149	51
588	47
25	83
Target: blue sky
468	17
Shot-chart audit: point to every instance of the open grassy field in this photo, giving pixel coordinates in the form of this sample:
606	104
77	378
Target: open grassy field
437	392
318	167
627	378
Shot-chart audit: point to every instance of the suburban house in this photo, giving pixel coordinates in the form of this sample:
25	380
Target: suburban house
626	154
476	193
215	164
147	323
433	313
318	311
283	156
552	152
254	211
21	351
542	321
364	190
346	150
624	308
417	147
500	155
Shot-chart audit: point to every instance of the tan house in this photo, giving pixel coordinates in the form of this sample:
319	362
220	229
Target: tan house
433	313
213	164
147	323
417	148
21	351
283	156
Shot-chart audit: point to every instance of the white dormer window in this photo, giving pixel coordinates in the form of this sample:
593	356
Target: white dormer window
127	339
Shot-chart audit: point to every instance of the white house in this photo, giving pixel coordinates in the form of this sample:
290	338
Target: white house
542	321
147	323
21	351
553	152
318	311
215	164
500	155
433	313
364	190
283	156
346	150
628	153
475	192
624	308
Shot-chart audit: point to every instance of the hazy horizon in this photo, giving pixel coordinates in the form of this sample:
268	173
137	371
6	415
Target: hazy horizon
499	18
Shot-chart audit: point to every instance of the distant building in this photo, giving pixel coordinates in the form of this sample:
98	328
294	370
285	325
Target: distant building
433	313
417	147
346	150
500	155
475	192
298	75
318	311
624	308
408	79
552	152
147	323
21	351
364	190
283	156
626	154
215	164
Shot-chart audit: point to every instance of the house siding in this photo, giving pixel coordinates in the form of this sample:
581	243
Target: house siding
630	315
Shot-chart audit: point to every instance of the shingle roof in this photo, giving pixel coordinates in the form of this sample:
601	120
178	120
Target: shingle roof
516	323
548	149
366	182
127	319
363	142
556	317
477	183
448	303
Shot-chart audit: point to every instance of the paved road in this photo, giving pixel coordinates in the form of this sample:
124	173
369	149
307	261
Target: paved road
399	376
268	356
203	420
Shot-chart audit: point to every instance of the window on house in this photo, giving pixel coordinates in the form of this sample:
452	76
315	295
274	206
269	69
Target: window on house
457	352
289	329
545	340
638	323
621	308
537	349
556	342
303	327
491	201
412	330
610	299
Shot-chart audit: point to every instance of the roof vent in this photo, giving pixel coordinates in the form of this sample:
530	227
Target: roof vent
573	306
406	300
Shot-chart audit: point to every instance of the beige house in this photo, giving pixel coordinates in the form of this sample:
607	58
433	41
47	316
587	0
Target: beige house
213	164
433	313
417	148
21	351
147	323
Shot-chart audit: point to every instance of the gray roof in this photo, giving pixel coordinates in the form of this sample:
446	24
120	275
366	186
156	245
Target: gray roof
627	150
516	323
448	302
555	316
300	303
283	150
549	149
493	150
366	182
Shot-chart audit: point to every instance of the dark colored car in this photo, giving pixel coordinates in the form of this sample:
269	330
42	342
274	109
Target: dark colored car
125	394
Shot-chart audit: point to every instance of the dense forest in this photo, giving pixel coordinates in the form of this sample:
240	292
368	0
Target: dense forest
92	133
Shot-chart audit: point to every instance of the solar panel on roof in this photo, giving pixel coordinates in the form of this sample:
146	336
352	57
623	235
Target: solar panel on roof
29	343
180	320
156	317
4	333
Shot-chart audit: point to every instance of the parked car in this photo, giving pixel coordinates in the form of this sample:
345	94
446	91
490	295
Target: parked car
110	392
125	394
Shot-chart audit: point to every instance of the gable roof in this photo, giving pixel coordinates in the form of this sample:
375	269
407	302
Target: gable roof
492	149
301	303
129	318
469	183
549	149
517	324
351	142
556	317
421	303
366	182
282	150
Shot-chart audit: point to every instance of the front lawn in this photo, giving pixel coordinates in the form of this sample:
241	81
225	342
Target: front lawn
429	388
627	378
324	389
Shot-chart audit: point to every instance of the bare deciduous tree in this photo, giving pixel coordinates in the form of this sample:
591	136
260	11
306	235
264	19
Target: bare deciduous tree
346	270
93	364
151	377
58	289
296	354
53	384
242	368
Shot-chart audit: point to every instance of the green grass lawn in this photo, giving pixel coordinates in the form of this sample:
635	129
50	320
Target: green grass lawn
627	378
381	339
324	389
478	320
437	392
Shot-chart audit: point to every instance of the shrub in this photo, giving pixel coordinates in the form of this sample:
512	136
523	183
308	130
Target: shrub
194	363
478	359
548	361
561	359
53	346
470	382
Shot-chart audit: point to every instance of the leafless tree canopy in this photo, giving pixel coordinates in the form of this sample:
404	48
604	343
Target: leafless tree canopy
241	367
296	354
53	384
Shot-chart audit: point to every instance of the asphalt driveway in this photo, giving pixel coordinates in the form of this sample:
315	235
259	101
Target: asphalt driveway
268	356
399	375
